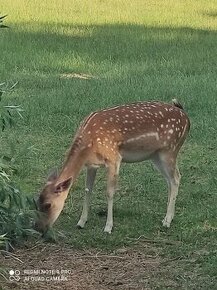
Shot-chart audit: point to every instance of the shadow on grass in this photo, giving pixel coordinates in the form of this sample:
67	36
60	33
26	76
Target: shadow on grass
182	50
111	63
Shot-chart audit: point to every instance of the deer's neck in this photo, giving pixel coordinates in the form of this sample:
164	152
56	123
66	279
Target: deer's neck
74	162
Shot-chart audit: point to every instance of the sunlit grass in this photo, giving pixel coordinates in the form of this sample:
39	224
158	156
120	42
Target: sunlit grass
190	13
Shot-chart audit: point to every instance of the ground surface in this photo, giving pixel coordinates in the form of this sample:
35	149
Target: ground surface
122	269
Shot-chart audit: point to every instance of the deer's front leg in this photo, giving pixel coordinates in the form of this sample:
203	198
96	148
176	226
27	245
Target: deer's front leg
91	174
113	171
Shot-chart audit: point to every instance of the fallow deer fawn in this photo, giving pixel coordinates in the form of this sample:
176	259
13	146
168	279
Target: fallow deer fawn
128	133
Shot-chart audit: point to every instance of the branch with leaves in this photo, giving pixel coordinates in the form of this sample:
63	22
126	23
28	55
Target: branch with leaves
1	22
16	210
6	111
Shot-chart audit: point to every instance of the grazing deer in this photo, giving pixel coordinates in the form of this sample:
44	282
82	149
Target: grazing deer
128	133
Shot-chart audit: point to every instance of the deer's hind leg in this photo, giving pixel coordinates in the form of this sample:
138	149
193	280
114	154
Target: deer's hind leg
166	164
112	179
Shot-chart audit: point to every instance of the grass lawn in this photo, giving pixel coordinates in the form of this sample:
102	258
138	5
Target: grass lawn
72	57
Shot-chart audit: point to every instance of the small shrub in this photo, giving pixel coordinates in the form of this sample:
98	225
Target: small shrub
16	210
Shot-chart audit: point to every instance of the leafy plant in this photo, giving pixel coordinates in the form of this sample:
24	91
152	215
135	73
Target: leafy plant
6	111
1	22
16	210
17	214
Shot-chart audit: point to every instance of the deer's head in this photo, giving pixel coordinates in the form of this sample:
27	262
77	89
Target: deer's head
51	201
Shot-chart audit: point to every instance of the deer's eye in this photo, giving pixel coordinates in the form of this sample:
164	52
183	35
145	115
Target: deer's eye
46	206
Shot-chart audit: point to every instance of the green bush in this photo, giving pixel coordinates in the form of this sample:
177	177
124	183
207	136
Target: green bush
16	210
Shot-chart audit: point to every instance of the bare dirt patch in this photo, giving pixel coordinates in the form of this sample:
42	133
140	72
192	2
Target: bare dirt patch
92	270
48	266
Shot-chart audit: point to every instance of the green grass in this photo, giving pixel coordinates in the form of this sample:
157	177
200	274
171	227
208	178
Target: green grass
135	50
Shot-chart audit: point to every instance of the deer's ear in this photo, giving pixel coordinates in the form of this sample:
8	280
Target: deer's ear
63	185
